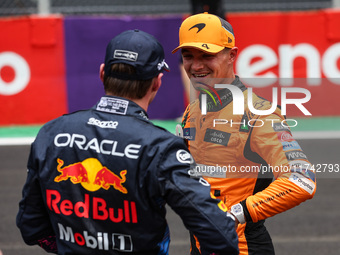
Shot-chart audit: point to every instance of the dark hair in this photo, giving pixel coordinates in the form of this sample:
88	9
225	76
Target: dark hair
132	89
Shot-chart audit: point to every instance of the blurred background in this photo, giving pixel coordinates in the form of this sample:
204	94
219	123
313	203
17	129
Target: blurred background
95	7
50	52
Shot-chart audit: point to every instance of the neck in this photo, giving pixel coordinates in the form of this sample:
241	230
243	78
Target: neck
143	103
147	99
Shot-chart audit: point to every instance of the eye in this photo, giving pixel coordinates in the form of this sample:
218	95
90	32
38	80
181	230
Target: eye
186	56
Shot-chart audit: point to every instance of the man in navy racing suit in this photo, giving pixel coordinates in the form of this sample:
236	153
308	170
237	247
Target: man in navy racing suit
98	179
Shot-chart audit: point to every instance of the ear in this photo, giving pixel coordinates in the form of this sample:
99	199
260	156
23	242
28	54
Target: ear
157	82
233	54
101	72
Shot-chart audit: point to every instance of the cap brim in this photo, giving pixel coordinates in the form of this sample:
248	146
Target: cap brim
207	47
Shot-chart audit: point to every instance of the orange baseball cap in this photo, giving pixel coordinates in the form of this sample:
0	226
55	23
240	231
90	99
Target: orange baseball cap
206	32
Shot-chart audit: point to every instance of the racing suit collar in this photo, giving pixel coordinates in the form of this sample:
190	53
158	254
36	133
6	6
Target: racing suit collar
121	106
214	104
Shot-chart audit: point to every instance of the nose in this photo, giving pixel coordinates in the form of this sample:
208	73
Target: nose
197	64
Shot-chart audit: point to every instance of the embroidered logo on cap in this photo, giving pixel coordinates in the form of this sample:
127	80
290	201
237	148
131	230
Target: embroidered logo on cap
126	55
200	26
162	64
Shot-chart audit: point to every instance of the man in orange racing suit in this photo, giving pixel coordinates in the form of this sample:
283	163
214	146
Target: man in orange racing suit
239	155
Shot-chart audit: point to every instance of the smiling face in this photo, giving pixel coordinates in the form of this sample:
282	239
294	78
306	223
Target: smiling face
200	65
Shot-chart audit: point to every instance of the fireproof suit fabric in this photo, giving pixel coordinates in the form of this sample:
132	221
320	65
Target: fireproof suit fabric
239	155
98	181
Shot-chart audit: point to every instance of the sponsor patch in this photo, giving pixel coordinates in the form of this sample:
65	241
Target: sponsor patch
125	55
184	157
300	164
285	136
307	173
143	115
189	133
288	146
302	167
222	206
294	155
278	127
162	64
105	146
244	124
113	105
216	136
103	124
91	174
302	182
204	182
97	241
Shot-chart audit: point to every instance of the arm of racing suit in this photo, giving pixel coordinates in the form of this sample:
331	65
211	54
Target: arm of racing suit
294	181
32	218
190	198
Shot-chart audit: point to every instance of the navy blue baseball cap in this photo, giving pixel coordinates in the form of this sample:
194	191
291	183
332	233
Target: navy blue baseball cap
138	49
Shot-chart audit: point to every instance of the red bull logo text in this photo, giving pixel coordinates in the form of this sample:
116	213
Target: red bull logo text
92	175
91	207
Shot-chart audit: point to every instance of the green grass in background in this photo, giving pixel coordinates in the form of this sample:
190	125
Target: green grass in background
19	131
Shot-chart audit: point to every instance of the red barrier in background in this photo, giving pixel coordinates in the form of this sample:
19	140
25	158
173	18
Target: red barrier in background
278	48
271	45
32	71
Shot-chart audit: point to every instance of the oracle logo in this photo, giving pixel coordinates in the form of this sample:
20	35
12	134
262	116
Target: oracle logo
22	73
287	53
